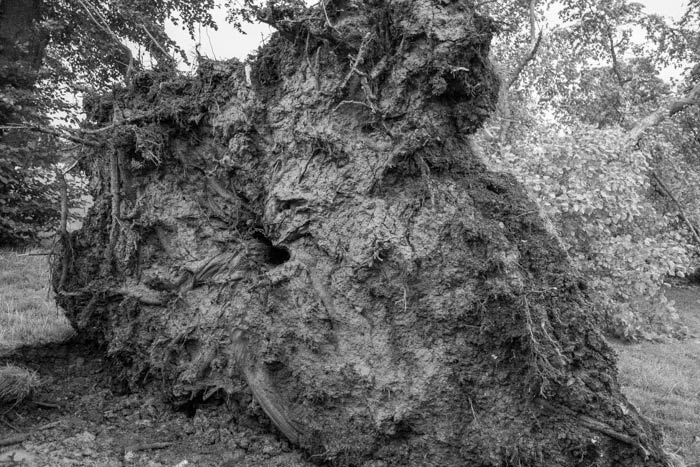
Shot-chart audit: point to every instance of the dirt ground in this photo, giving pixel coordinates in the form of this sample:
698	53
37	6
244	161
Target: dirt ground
85	420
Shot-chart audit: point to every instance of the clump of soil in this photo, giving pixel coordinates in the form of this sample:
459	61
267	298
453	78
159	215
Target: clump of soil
16	384
310	230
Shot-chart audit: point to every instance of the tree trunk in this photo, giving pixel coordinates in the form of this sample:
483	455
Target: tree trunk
324	239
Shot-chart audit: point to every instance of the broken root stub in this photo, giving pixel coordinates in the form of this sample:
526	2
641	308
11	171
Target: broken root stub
320	238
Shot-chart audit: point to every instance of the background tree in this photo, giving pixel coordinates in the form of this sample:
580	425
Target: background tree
583	114
25	200
43	78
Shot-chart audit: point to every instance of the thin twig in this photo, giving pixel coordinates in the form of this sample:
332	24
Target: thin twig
535	41
68	134
114	189
525	60
162	49
102	24
15	439
68	148
272	403
122	122
73	165
613	56
593	424
359	58
666	111
485	2
48	426
9	425
471	406
364	104
52	132
328	21
149	446
63	228
681	212
312	69
47	405
12	407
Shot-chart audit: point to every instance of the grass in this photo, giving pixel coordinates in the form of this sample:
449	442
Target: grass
28	314
17	383
663	380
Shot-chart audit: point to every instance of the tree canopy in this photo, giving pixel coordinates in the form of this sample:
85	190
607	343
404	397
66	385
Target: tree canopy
51	52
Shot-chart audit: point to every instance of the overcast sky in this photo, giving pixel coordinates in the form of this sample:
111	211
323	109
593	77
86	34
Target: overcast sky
671	8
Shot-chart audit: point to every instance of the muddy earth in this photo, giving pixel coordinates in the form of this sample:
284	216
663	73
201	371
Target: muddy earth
82	417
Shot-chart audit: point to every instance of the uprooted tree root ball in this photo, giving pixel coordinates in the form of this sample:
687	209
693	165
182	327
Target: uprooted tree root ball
312	228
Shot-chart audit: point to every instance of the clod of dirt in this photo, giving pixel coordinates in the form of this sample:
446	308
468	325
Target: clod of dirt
17	384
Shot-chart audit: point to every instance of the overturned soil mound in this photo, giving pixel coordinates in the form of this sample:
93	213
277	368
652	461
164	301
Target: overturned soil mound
312	228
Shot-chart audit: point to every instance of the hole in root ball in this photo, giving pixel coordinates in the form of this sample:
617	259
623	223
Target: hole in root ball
276	254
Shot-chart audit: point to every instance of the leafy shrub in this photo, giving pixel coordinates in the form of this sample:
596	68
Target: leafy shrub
595	189
29	199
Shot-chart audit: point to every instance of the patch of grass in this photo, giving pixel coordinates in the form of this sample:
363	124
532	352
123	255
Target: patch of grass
28	314
663	379
686	300
17	383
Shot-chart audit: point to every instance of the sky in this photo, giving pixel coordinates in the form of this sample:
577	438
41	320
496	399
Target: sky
226	42
670	8
223	43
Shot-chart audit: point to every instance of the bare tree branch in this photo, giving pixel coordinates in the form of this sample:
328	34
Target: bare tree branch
72	135
666	111
533	22
485	2
63	228
681	212
524	61
328	21
122	122
101	23
160	47
504	104
114	189
63	134
73	165
613	55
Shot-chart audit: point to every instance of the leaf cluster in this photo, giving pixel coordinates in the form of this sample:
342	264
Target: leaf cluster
28	198
83	45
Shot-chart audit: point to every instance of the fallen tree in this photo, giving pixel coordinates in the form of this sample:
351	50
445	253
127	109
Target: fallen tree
312	228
